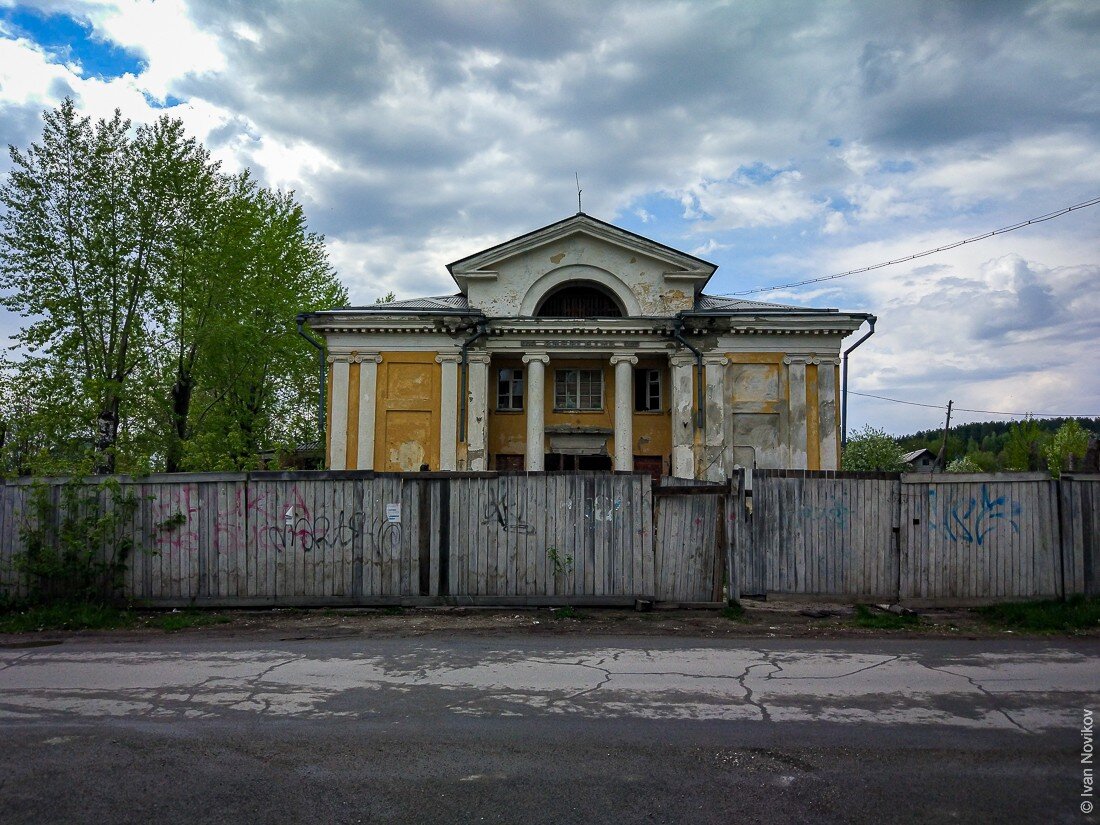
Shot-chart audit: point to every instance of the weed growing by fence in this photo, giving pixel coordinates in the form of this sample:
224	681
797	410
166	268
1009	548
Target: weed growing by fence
562	564
873	619
76	547
1074	614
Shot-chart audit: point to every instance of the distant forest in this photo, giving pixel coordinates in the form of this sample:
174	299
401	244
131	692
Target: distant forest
987	443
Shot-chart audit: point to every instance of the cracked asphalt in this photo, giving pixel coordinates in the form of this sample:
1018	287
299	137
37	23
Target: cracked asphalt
538	729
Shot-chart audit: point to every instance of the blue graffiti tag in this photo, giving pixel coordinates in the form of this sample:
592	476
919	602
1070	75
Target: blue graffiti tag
972	520
836	512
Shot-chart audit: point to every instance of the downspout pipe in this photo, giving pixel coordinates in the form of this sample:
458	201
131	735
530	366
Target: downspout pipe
871	319
678	334
480	331
301	319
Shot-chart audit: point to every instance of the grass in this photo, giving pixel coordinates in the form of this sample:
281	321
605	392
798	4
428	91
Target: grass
875	620
734	612
67	616
170	622
566	612
1074	614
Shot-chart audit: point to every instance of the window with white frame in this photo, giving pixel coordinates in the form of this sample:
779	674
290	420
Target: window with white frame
578	389
647	390
510	389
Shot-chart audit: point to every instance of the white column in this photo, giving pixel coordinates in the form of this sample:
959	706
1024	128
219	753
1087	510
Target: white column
715	452
338	412
796	382
624	411
683	424
536	418
826	401
448	411
368	399
477	414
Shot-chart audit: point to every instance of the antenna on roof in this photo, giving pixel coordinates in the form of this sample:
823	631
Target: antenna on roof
578	177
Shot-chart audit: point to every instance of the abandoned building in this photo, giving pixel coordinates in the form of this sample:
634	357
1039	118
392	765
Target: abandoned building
581	345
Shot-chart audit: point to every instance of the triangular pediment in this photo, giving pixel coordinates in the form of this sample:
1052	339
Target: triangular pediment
675	263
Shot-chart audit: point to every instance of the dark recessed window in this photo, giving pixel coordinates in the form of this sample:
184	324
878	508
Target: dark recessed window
580	302
578	389
510	389
647	390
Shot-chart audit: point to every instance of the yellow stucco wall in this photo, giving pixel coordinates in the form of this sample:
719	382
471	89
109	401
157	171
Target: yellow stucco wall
352	452
407	415
813	420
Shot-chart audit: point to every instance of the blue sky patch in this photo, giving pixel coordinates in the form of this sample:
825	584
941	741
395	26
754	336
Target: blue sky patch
73	40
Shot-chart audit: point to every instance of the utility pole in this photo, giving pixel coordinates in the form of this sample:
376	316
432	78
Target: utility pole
941	459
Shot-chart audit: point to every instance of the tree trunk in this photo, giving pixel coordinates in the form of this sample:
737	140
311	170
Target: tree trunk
108	436
181	408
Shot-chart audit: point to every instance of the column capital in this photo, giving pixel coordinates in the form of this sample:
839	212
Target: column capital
368	357
798	359
478	358
540	357
715	360
681	359
624	359
827	360
448	358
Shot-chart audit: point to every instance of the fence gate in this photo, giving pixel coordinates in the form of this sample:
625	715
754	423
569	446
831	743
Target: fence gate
689	541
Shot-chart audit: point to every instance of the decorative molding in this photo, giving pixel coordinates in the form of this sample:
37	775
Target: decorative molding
629	359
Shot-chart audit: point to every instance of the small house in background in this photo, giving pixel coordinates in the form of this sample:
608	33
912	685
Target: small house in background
583	346
921	461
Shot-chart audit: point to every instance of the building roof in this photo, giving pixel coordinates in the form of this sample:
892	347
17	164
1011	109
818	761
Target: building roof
909	458
458	304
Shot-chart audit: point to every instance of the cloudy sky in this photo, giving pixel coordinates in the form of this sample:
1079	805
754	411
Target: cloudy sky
782	141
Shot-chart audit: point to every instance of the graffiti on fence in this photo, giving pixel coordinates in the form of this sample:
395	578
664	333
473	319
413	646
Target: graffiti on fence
508	512
972	519
836	513
599	508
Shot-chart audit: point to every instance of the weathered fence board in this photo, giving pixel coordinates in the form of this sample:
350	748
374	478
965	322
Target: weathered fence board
817	534
687	548
1080	534
980	540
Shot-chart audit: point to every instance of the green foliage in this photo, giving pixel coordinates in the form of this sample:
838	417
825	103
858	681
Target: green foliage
963	464
1071	441
1073	614
1020	445
998	446
179	620
388	298
733	611
562	564
77	548
872	449
566	612
873	619
65	616
158	298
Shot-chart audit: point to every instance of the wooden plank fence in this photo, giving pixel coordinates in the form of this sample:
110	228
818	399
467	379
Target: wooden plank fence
418	538
920	538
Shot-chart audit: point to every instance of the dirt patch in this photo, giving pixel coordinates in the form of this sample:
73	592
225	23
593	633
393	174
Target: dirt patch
760	619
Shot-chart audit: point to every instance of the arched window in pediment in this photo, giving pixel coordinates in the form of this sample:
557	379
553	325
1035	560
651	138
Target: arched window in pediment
579	300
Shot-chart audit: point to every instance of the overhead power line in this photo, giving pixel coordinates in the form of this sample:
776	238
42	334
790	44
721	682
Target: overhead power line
1003	230
964	409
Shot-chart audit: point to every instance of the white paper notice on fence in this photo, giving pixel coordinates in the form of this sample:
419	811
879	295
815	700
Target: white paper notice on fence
393	513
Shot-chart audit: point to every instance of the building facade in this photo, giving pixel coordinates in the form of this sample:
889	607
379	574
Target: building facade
583	346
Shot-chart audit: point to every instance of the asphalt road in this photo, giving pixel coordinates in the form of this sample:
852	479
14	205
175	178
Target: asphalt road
528	730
